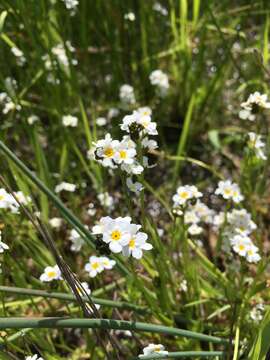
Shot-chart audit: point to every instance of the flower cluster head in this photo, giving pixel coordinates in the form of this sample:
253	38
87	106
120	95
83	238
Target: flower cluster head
256	143
229	191
59	52
70	121
8	103
65	186
236	234
20	58
153	349
244	247
51	273
122	236
256	101
126	94
184	194
97	264
140	121
7	201
159	79
71	5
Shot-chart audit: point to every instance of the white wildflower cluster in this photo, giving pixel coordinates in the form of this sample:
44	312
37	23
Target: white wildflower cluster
229	191
130	16
59	52
160	80
184	194
19	55
51	273
153	349
257	145
7	201
69	121
126	95
56	222
122	236
3	246
65	186
195	215
160	9
255	101
8	104
122	154
71	5
257	311
236	234
97	264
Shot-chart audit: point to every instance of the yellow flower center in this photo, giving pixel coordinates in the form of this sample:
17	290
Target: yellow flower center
183	195
51	274
123	154
131	244
95	265
241	247
116	235
109	152
2	197
228	191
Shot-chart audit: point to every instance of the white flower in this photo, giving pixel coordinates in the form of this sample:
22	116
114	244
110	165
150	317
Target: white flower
32	119
71	5
94	266
33	357
229	190
149	144
106	149
135	187
97	264
203	212
241	244
137	243
101	121
106	200
256	143
154	349
195	229
21	60
130	16
159	79
51	273
65	186
116	233
252	254
183	285
55	222
246	115
184	194
6	200
76	239
240	221
256	99
191	217
124	153
69	120
127	95
134	168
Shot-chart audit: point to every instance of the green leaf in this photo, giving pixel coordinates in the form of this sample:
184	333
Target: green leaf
261	344
2	20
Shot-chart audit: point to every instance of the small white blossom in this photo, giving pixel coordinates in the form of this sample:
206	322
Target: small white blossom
152	349
33	357
56	222
69	120
229	191
65	186
130	16
256	99
256	143
97	264
127	95
159	79
106	200
32	119
195	229
246	115
101	121
184	194
51	273
76	239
